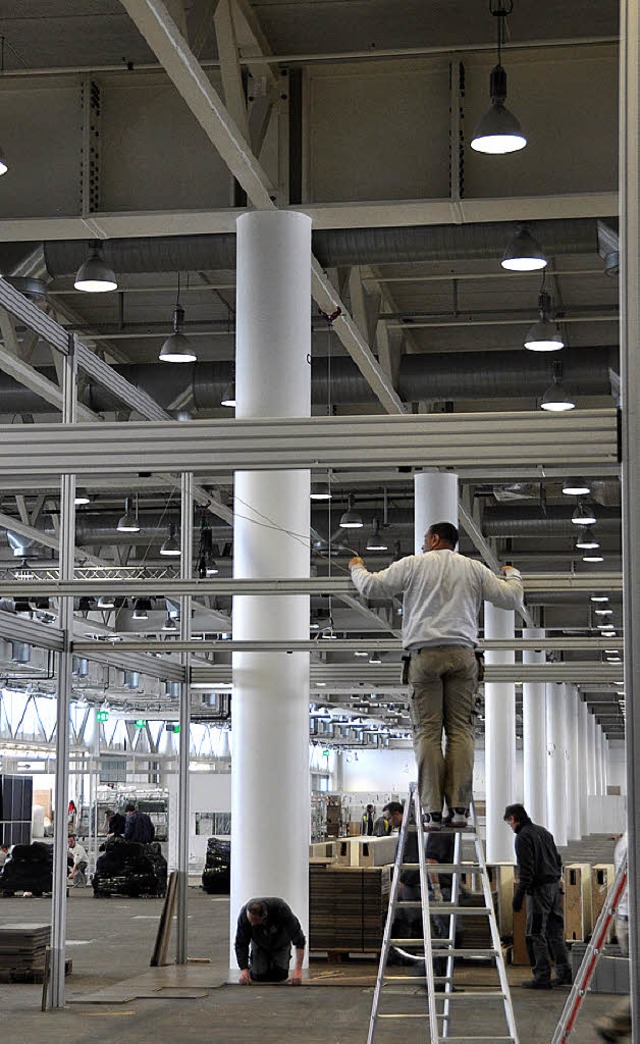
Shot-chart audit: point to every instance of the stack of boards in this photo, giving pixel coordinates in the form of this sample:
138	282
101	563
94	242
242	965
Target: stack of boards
22	952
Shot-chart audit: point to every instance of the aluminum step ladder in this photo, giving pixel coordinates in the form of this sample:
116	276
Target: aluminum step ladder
592	954
446	1008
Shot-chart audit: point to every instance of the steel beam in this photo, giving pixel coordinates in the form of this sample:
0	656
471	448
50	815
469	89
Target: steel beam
368	677
328	442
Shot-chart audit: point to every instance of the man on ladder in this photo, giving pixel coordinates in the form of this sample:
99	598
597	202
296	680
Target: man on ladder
443	594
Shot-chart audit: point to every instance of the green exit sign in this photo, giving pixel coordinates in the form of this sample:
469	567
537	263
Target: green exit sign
325	753
102	716
140	723
172	727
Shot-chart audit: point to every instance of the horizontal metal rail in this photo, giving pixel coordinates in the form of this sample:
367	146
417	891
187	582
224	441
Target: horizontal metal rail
353	645
366	442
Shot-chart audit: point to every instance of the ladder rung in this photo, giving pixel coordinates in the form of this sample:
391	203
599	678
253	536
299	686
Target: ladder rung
445	951
403	1015
408	942
471	1040
473	994
468	911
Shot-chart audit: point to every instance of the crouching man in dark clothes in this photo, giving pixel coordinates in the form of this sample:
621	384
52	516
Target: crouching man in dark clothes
540	868
266	930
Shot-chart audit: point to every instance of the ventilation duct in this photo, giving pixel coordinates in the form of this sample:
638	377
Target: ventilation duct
18	544
354	246
437	377
609	245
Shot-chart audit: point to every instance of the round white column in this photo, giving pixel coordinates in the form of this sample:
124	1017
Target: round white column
574	789
556	762
270	789
592	780
499	738
435	500
598	757
583	753
534	735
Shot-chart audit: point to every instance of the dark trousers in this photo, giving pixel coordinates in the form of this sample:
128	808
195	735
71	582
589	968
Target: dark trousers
545	931
269	965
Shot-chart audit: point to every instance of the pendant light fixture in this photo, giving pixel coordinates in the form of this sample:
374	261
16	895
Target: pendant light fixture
81	497
587	541
583	514
499	132
228	397
169	624
177	348
320	491
544	335
206	562
95	276
376	541
523	253
351	519
576	487
171	546
106	602
128	523
141	609
556	398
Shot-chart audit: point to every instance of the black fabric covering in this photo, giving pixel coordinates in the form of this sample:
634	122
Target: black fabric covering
129	868
28	868
216	876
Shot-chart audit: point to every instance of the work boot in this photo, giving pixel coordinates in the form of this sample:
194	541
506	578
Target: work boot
432	821
460	818
562	979
536	984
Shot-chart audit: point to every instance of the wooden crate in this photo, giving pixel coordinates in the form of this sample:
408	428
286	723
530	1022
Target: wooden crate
602	876
577	902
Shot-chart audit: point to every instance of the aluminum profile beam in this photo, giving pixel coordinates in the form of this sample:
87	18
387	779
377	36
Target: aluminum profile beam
315	585
352	645
328	442
367	677
18	629
117	656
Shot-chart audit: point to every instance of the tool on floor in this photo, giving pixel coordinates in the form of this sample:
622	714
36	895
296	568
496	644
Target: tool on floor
592	954
442	1006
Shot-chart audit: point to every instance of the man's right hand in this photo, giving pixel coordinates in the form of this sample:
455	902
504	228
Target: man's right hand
245	977
510	571
355	561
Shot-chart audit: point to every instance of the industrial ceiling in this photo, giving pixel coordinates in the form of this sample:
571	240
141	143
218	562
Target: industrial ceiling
151	126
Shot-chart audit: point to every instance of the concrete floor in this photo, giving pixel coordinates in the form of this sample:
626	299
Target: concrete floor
111	940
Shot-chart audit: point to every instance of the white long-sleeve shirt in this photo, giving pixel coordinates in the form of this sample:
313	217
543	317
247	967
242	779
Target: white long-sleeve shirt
443	594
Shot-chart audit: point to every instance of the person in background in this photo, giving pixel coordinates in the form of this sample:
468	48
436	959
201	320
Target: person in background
4	852
617	1025
138	826
72	817
265	931
116	823
443	593
540	875
367	820
382	826
79	864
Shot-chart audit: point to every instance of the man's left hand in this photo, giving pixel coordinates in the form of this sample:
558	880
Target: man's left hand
296	978
356	561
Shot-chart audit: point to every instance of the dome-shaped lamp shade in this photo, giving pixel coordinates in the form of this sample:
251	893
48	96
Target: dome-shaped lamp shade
544	336
228	397
128	523
177	348
576	486
376	541
351	519
557	399
95	276
583	515
171	546
4	166
523	254
498	132
587	541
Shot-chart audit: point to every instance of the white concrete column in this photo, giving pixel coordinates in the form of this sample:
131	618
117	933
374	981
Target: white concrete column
534	735
573	778
270	793
435	500
499	738
598	757
556	763
583	753
592	776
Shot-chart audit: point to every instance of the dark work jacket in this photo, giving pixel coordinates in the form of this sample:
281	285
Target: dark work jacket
139	827
117	824
280	929
538	858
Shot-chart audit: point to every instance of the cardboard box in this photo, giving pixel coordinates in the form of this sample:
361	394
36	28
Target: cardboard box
501	877
324	849
578	921
366	851
520	953
602	877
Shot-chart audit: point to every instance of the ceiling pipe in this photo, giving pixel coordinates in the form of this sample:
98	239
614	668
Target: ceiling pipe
434	377
355	246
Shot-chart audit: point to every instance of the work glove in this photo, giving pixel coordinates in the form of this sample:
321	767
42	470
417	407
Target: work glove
510	572
356	561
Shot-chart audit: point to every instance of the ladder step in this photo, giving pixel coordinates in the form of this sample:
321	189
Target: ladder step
445	951
471	1040
446	868
467	911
